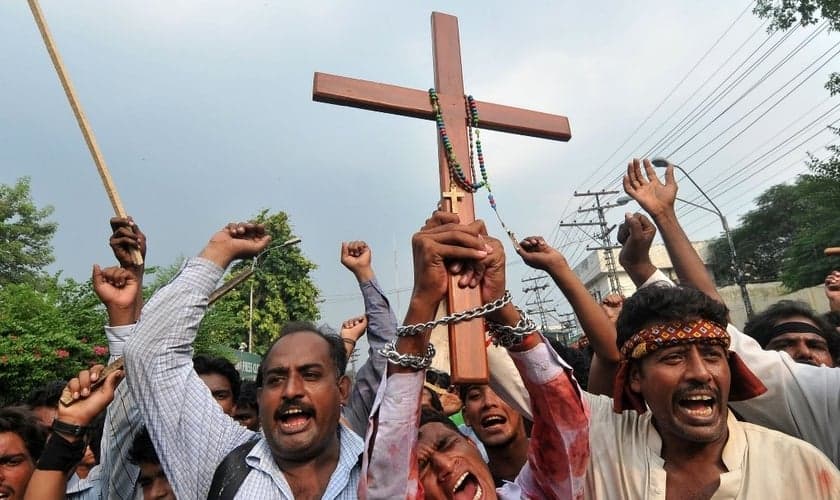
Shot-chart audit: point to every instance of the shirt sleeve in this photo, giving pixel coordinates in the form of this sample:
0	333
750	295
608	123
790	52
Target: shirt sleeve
382	325
558	451
190	432
506	381
122	423
801	400
389	467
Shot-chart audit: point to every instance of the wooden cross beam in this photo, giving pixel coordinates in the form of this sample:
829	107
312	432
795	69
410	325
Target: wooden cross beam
466	340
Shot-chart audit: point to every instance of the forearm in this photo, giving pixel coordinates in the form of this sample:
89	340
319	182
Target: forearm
559	446
593	320
382	326
687	263
639	272
46	485
176	406
420	310
122	422
601	376
390	466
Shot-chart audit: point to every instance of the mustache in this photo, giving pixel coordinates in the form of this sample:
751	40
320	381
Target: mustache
289	404
694	388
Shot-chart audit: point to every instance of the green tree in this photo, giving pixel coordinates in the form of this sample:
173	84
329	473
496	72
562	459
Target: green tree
283	289
785	13
47	332
25	235
762	237
784	236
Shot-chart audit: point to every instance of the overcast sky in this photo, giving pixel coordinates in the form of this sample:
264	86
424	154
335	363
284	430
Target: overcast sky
204	113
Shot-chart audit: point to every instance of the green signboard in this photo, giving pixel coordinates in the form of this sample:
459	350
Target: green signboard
247	364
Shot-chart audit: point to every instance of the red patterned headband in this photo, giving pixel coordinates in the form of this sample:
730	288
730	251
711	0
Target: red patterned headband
744	384
659	336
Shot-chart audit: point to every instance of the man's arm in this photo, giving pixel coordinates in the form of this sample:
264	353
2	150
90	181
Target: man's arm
658	200
388	471
190	432
801	400
63	450
381	325
444	247
126	238
558	451
118	289
832	290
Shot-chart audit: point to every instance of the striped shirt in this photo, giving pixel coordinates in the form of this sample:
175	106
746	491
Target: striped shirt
190	432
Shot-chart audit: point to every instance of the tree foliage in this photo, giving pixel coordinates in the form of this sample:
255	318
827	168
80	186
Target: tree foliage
785	13
25	235
785	235
47	332
51	328
283	289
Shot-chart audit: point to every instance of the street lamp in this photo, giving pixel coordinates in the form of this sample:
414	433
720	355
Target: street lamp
291	241
739	273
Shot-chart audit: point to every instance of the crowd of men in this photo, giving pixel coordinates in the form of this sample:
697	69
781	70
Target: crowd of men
664	399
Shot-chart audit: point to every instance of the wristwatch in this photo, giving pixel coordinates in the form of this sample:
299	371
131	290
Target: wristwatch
69	429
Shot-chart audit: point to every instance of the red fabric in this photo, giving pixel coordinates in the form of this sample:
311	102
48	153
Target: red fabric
744	384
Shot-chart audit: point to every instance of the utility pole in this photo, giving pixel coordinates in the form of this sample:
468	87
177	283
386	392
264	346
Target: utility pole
568	323
539	301
602	237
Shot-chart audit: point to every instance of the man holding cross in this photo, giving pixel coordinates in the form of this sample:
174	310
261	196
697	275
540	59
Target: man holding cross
424	456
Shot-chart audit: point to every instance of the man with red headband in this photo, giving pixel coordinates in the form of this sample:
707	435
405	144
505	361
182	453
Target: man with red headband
667	432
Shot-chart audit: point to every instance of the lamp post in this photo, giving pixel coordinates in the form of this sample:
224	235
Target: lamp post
736	268
292	241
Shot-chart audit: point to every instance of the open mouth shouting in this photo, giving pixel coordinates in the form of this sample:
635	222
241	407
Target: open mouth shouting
467	487
493	422
700	409
294	419
6	492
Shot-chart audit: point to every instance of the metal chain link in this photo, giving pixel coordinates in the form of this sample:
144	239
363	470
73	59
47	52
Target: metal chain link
411	330
413	361
507	336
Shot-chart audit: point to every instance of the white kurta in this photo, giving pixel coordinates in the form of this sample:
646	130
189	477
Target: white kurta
625	460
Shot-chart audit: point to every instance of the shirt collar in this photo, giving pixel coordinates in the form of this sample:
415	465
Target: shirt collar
351	448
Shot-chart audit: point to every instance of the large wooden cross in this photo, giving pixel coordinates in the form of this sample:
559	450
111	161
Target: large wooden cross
467	339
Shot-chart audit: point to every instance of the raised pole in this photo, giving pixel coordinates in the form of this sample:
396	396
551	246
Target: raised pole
87	132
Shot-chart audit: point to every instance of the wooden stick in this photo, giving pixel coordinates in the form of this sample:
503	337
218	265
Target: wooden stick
87	132
67	396
230	285
119	364
830	251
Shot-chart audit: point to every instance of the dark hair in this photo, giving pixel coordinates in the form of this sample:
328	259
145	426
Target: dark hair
248	396
435	399
204	365
45	395
760	327
576	358
142	450
336	346
428	416
659	304
833	318
97	427
25	424
438	378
